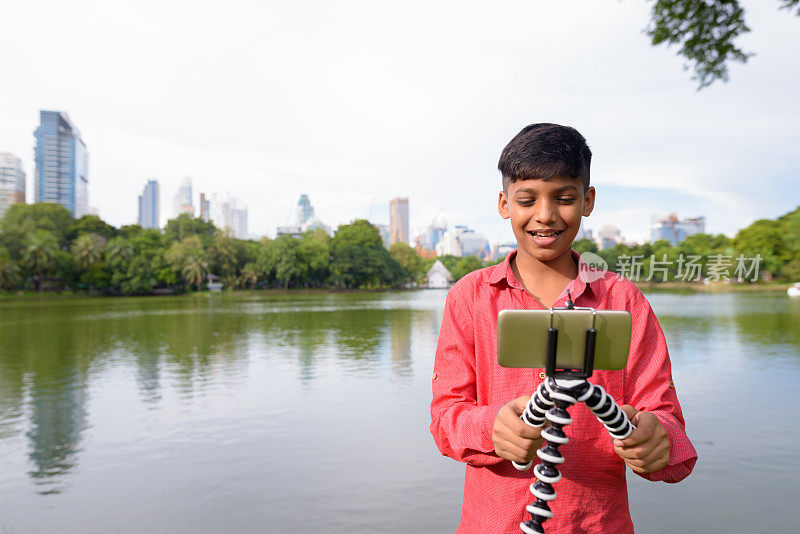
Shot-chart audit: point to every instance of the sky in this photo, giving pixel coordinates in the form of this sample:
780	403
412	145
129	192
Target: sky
357	102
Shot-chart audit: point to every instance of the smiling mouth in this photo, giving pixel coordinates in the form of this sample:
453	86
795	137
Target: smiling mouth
547	233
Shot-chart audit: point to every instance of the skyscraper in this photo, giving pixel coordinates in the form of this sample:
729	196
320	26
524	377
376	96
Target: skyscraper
182	203
304	210
231	216
62	164
149	205
398	209
205	208
12	182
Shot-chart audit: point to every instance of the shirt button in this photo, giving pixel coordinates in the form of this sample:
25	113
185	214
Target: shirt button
435	376
542	375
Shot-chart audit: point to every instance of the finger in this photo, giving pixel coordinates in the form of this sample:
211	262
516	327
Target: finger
518	405
521	428
506	435
629	410
512	452
645	423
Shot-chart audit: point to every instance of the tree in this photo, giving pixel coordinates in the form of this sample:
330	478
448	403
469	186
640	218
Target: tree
250	274
87	250
41	254
359	258
466	265
185	225
22	220
409	260
764	238
92	224
283	261
584	245
314	254
188	258
705	31
9	270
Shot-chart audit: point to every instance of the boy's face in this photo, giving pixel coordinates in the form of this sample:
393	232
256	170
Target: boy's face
545	215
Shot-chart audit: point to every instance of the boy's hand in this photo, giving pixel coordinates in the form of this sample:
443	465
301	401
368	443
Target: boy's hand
647	448
513	438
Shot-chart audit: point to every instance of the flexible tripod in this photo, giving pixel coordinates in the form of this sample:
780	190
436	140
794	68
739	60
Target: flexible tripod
561	389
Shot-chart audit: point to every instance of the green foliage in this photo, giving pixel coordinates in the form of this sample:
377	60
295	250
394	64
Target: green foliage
92	224
185	225
705	31
359	259
409	260
10	273
41	254
465	265
584	245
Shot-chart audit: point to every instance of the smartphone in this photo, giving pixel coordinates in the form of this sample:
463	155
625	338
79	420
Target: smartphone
522	338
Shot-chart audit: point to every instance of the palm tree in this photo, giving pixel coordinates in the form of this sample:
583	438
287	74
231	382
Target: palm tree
40	254
195	268
87	250
118	251
9	270
250	274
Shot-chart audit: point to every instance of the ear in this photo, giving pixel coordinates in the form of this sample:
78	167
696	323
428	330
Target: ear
588	202
502	205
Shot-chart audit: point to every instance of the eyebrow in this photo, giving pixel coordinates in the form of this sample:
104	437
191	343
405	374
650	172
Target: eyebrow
559	190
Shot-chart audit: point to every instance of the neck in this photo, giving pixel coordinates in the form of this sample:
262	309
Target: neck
529	268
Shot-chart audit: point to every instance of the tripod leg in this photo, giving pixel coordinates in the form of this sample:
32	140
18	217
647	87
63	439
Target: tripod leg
605	408
563	395
534	415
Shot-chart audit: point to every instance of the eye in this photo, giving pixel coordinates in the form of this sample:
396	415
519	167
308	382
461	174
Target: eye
566	200
525	202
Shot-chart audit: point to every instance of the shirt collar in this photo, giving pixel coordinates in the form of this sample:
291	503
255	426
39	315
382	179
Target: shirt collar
502	271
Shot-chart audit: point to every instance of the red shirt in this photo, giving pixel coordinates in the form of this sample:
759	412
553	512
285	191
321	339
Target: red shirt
469	387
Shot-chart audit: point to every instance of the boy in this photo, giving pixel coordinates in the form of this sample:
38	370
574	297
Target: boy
477	404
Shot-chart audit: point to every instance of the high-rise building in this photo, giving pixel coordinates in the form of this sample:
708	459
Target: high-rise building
149	205
669	228
608	237
205	208
230	216
12	182
62	164
182	203
305	210
398	212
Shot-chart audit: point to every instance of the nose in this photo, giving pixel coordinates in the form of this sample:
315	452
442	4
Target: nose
545	212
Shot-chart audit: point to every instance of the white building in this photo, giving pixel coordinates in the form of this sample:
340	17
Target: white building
449	245
182	203
230	215
608	237
12	182
438	276
668	227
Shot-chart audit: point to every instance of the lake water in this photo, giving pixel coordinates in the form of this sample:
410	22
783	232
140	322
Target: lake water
310	412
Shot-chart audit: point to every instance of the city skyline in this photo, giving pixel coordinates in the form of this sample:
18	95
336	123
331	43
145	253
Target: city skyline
427	120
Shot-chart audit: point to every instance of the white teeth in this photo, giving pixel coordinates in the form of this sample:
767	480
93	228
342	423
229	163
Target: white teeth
542	234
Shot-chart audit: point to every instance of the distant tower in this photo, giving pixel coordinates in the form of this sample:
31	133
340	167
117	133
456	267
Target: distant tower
230	215
183	198
398	209
62	164
304	210
149	205
12	182
205	208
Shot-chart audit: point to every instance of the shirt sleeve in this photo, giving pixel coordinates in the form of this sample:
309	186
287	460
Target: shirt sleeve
461	428
649	387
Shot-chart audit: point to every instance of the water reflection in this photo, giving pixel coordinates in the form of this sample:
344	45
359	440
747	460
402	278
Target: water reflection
51	352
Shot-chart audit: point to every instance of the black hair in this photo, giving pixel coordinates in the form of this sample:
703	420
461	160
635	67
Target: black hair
544	150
